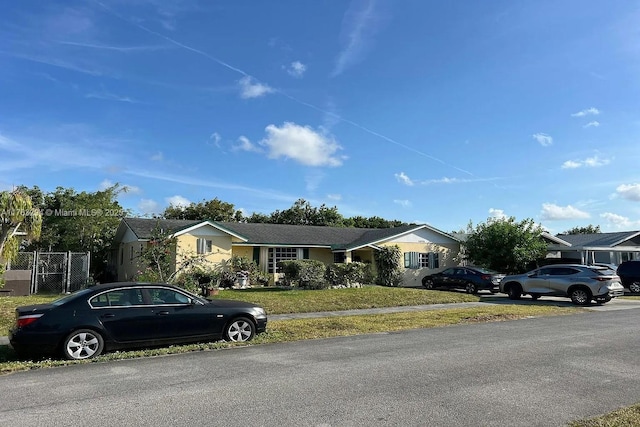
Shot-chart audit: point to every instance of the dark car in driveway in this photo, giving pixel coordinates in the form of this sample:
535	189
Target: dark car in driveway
629	272
114	316
471	279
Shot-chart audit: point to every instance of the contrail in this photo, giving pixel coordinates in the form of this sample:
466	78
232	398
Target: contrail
299	101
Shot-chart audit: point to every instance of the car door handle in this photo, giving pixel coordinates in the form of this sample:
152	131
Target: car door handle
108	315
162	313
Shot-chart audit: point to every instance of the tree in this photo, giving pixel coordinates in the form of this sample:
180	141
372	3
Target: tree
17	214
214	210
505	245
372	222
302	213
79	222
589	229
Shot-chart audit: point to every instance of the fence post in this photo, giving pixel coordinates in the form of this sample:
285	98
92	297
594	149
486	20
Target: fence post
67	278
35	273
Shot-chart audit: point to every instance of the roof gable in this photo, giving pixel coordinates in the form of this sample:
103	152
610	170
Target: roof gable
608	240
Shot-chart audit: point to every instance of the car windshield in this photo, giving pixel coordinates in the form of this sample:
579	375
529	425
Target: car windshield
69	297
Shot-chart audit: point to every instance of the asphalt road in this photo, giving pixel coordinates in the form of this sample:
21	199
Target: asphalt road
531	372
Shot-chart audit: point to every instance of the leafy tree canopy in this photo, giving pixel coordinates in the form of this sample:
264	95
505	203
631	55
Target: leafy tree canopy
17	214
505	245
589	229
214	210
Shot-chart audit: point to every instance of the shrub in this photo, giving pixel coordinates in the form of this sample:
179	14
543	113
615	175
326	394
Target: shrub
347	275
305	273
388	265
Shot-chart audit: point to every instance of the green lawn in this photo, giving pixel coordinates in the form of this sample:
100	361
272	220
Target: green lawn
279	301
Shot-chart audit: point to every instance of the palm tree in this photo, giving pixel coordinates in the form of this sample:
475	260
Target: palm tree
17	216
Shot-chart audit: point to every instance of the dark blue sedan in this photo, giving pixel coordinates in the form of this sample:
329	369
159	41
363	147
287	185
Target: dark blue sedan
124	315
471	279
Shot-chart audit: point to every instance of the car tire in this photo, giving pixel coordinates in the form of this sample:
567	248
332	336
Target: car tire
634	287
535	297
580	296
514	292
428	284
471	288
239	329
83	344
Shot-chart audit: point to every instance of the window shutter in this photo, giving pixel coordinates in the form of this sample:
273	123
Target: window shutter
407	260
434	262
411	260
305	253
256	254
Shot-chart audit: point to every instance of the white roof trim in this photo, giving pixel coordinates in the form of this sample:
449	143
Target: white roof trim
555	239
212	224
635	234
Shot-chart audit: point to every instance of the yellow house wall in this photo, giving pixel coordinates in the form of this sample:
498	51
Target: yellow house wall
187	247
243	251
447	258
321	254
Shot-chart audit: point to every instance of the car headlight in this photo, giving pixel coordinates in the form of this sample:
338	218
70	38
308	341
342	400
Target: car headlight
259	311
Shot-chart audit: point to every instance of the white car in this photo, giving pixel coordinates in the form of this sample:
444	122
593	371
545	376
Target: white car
581	283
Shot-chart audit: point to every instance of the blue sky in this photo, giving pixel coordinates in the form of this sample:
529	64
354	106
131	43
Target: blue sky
434	112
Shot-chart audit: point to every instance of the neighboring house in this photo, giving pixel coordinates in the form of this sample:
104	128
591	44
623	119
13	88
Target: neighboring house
425	249
609	248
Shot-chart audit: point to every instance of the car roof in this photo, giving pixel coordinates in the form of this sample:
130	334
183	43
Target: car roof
128	284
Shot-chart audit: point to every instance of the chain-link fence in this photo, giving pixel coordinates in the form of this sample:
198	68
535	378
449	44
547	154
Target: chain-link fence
54	272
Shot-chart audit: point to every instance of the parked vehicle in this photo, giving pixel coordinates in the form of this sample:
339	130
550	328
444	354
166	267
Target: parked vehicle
471	279
629	272
581	283
122	315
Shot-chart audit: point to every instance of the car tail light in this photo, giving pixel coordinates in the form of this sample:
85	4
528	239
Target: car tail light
486	277
602	279
27	319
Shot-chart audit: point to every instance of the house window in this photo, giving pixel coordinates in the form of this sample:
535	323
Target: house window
121	256
204	246
415	260
282	254
131	253
339	257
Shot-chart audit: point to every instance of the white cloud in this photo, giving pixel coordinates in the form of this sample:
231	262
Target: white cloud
554	212
302	144
334	197
296	69
250	88
543	139
588	112
178	201
148	206
629	191
403	203
589	162
158	157
496	213
216	138
245	145
404	179
358	29
108	96
619	221
593	124
571	164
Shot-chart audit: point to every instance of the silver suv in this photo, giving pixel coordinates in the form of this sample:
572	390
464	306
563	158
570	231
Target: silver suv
581	283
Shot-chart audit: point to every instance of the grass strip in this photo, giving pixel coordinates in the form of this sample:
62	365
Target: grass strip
623	417
302	329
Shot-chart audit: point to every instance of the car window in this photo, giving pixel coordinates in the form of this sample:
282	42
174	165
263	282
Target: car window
449	271
118	298
544	271
167	296
563	271
603	271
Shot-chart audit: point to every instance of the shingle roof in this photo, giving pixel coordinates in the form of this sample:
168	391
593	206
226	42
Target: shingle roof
279	234
598	239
